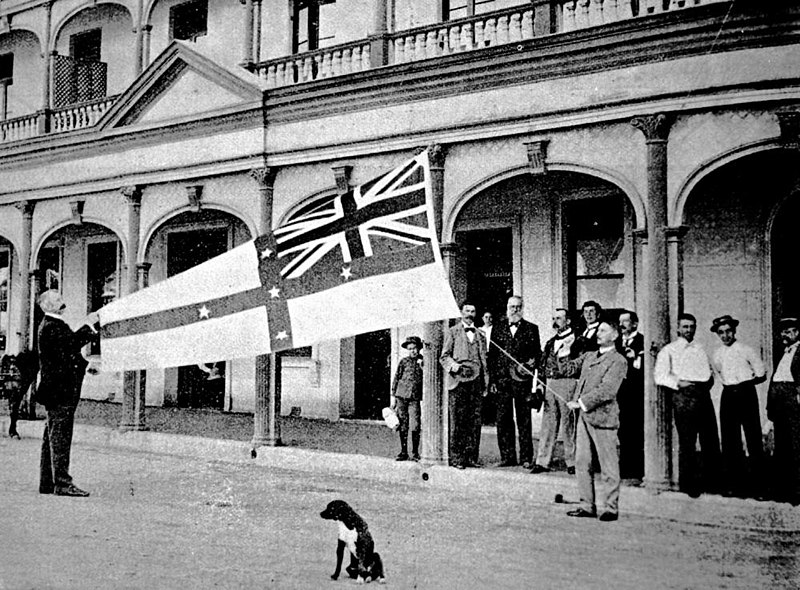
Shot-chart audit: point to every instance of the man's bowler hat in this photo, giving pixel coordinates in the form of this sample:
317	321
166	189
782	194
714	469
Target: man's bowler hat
415	340
784	323
722	321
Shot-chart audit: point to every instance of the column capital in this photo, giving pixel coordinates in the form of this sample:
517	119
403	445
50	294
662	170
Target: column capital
26	207
537	156
789	122
438	154
147	28
132	194
654	127
264	176
639	234
676	233
342	174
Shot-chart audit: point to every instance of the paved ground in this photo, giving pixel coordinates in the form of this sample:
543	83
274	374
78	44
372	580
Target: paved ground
189	520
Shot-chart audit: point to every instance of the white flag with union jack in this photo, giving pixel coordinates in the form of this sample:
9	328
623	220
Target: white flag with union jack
361	261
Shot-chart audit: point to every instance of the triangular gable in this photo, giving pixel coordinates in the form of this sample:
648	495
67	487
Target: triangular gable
181	83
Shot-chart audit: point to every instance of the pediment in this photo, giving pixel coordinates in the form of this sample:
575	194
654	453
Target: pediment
181	84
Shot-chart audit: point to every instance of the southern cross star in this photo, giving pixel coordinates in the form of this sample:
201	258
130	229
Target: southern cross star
274	292
204	312
266	253
282	335
346	273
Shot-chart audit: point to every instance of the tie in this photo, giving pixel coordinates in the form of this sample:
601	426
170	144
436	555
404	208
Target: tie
469	330
513	324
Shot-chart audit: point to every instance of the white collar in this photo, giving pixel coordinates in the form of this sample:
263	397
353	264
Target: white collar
52	315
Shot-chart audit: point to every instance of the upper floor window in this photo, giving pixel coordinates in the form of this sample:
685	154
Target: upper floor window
189	20
81	76
453	9
7	68
313	24
85	46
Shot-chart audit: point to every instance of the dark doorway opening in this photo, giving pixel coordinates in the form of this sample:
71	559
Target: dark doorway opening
372	373
198	386
785	287
490	281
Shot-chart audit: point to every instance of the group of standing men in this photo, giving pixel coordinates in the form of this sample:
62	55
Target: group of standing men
593	391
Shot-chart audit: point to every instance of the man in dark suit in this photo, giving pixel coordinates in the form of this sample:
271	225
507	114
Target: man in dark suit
783	409
590	316
514	355
467	379
601	374
631	399
61	374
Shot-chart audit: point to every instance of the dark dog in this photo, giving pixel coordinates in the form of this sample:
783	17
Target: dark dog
365	562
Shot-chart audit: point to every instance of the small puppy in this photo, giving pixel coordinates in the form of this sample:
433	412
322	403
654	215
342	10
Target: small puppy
365	562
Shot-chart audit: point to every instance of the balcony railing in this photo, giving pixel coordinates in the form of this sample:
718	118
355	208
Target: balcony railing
19	128
509	25
79	116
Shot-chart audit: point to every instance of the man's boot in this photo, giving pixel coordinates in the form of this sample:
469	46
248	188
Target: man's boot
415	446
403	456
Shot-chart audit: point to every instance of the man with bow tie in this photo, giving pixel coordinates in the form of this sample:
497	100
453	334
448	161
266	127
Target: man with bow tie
558	392
467	379
513	358
631	399
783	409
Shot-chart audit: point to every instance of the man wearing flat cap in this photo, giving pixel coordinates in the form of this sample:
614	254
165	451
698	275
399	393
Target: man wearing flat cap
783	409
740	369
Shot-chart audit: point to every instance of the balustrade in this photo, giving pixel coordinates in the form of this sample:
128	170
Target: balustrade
19	128
79	116
581	14
315	65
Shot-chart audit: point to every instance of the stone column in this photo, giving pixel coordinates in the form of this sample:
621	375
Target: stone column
139	32
146	29
267	413
257	30
131	379
247	36
140	421
658	419
379	41
26	208
675	237
435	429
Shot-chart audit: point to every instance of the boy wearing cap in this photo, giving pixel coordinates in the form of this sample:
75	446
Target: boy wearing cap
740	369
406	397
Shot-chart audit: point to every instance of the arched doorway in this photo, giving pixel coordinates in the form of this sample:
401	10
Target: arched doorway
182	242
558	240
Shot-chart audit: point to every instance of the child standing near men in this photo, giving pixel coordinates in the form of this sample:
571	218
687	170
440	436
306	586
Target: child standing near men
406	395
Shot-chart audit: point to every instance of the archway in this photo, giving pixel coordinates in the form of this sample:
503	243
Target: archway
181	242
21	67
558	240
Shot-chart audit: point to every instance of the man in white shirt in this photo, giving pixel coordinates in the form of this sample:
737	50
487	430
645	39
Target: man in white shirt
683	369
739	369
783	408
486	328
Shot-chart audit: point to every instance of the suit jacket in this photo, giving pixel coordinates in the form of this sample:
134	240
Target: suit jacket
586	343
457	347
525	346
61	364
637	346
774	401
601	376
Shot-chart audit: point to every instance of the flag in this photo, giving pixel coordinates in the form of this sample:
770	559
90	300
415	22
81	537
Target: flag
365	260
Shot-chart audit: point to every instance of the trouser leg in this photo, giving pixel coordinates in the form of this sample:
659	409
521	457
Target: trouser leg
505	426
686	425
584	454
524	429
751	424
59	436
709	441
549	430
731	439
568	430
477	423
606	443
45	464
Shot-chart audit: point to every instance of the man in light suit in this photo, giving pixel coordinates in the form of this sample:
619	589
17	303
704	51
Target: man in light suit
467	379
61	374
601	375
783	409
513	357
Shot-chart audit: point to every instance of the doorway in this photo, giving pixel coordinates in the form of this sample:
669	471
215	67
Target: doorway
785	288
199	386
372	373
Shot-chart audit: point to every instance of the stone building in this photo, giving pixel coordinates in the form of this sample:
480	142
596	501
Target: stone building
641	153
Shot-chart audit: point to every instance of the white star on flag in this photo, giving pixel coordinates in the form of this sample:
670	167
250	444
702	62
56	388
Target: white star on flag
274	292
346	273
266	253
282	335
204	312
